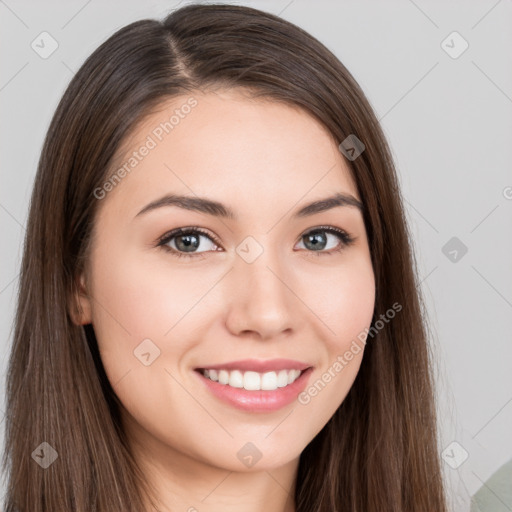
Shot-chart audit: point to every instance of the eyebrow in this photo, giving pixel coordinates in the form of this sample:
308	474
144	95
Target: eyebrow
217	209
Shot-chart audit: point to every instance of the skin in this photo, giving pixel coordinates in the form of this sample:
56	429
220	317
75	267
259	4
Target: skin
264	160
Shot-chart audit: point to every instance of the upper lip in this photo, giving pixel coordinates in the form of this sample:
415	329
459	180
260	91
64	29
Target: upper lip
257	365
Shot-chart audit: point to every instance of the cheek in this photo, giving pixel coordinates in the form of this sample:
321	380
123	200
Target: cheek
135	301
142	298
344	302
141	308
343	298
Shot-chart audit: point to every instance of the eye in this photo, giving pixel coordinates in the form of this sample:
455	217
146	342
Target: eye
317	240
183	242
186	240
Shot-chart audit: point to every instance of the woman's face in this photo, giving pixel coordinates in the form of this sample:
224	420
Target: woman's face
256	287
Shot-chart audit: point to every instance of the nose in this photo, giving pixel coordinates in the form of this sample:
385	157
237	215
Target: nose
261	299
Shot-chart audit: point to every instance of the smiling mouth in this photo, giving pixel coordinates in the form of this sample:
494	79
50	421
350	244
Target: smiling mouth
251	380
256	392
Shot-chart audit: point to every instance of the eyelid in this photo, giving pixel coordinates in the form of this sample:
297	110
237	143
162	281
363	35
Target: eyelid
342	233
186	230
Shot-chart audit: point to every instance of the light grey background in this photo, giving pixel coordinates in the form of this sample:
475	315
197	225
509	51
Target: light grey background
449	123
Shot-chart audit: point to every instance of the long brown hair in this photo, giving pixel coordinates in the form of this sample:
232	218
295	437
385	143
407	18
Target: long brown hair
379	450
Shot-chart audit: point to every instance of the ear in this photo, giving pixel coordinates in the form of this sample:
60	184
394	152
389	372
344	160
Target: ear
81	311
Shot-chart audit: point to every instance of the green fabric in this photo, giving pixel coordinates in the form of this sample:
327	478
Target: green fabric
495	495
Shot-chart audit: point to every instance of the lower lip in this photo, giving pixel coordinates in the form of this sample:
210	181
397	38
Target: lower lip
259	400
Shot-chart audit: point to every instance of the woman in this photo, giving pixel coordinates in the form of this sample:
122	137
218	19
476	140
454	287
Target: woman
218	303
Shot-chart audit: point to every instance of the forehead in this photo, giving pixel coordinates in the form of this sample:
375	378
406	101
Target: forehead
226	144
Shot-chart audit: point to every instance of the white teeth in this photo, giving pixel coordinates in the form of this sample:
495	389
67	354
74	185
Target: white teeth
282	378
236	379
269	381
223	376
253	381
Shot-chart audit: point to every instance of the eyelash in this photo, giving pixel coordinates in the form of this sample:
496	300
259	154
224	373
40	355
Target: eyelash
345	238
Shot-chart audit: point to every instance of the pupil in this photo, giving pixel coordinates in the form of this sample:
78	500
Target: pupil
315	242
186	241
